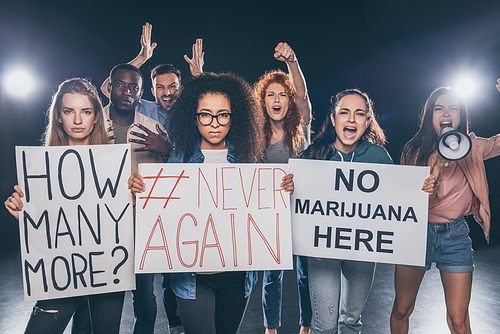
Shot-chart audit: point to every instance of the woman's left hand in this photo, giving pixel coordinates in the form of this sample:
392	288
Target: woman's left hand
136	183
283	52
287	184
430	186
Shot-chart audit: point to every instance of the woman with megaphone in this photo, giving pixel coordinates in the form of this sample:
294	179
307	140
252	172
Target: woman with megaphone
457	187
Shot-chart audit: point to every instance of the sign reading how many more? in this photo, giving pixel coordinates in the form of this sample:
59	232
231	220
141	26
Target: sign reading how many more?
76	227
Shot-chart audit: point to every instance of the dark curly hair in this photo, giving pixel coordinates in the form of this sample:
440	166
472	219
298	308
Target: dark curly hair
292	125
322	146
418	150
245	135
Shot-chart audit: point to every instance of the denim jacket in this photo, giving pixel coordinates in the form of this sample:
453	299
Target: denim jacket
184	284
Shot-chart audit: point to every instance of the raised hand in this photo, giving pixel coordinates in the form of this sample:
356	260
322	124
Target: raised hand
283	52
196	63
146	46
14	203
157	143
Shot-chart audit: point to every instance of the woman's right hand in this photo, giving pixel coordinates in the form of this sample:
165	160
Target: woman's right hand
430	186
14	203
136	184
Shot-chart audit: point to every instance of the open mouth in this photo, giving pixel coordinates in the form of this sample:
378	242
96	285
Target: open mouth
444	124
277	109
349	132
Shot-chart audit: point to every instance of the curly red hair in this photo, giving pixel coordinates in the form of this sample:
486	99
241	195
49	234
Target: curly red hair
292	125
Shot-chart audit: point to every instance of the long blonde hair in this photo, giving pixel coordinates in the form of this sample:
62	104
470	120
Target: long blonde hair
54	133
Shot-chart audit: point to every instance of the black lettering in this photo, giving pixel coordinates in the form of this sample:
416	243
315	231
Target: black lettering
40	176
392	212
68	229
43	216
333	209
93	272
339	175
380	241
68	274
97	238
379	212
353	211
376	181
339	237
78	273
410	214
117	237
302	208
360	211
327	236
108	182
317	207
28	267
365	241
82	175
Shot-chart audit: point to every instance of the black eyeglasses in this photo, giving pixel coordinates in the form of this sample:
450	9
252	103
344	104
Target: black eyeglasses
206	119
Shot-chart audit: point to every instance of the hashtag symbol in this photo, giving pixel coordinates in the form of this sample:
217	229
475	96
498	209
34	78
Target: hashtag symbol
156	178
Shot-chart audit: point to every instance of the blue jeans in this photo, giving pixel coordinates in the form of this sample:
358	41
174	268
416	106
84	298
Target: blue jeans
144	304
170	302
339	289
272	287
53	315
303	286
449	246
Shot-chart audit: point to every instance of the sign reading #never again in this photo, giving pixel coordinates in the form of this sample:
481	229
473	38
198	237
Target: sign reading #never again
76	227
212	217
359	211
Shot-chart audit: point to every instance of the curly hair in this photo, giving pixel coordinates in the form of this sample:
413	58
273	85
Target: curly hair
292	125
54	134
322	146
245	135
418	150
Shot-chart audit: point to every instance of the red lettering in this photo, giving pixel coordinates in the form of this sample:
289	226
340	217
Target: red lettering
233	234
164	246
224	189
156	178
259	189
276	256
210	223
216	199
190	242
247	203
279	189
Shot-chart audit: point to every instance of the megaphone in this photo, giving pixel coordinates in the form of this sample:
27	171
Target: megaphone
453	144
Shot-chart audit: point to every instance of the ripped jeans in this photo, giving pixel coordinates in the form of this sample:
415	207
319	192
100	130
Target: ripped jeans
338	290
53	315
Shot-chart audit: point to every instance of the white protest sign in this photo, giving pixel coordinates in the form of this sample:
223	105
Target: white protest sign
76	227
358	211
212	217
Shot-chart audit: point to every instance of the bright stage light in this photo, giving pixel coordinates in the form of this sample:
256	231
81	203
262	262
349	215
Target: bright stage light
19	82
465	87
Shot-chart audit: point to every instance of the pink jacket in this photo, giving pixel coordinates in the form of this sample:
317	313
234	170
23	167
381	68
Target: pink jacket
473	167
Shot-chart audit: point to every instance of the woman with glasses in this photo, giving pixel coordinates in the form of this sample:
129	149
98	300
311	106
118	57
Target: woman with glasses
215	120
